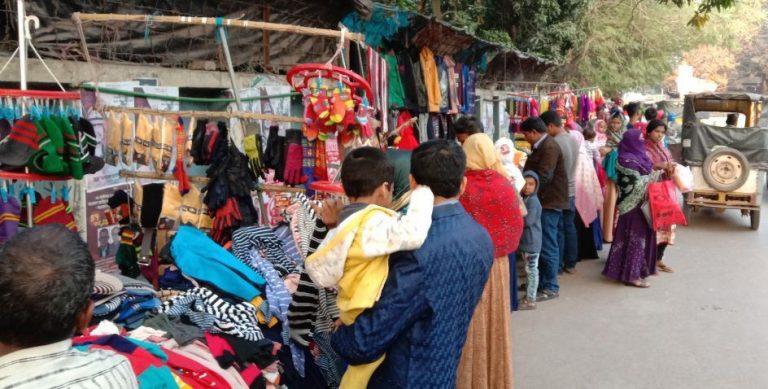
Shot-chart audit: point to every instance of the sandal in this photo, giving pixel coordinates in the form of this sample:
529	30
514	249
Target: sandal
638	284
663	267
527	305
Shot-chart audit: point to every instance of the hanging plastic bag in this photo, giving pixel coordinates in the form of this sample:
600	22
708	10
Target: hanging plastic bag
665	208
683	178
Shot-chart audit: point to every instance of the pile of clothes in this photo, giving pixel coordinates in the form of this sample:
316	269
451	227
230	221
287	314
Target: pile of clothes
246	317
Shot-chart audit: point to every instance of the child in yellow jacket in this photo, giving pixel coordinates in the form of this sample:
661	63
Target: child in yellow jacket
354	257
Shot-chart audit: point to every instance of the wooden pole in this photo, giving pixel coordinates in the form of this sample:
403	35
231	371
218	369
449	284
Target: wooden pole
265	38
199	20
272	188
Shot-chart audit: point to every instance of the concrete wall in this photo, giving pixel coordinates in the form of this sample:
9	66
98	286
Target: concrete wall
75	73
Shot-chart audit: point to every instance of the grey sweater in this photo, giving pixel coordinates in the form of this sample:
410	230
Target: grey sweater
570	150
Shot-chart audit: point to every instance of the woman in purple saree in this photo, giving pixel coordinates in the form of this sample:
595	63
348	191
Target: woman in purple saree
633	253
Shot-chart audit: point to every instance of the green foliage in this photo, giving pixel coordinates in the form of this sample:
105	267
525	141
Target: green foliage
616	44
635	45
703	11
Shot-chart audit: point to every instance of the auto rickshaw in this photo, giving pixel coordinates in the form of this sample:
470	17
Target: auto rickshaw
728	162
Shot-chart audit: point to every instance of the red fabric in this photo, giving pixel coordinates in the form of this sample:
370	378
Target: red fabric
665	210
193	373
179	171
491	200
46	212
25	131
407	138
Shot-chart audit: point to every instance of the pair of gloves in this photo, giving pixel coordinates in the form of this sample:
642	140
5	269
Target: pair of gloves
285	156
205	141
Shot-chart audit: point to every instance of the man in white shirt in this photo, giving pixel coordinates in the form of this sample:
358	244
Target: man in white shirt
46	279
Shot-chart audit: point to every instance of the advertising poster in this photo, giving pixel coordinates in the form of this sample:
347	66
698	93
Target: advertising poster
103	238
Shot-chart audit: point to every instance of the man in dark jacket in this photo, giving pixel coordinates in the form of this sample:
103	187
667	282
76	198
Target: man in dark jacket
420	322
546	160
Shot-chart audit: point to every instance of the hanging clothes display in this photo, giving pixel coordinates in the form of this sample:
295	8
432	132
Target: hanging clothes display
431	80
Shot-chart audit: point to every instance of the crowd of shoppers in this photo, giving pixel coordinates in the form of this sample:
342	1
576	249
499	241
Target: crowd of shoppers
423	255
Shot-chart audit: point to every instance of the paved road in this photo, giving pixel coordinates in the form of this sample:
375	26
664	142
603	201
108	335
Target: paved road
706	326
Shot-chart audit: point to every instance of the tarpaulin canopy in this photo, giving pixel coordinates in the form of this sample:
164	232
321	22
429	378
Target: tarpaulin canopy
699	138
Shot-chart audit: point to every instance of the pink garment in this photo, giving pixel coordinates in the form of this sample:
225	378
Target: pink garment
600	137
534	108
589	194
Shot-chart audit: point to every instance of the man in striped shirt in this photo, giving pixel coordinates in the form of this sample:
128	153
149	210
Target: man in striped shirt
46	278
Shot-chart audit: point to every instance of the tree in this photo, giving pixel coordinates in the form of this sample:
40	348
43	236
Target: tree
714	63
635	44
704	9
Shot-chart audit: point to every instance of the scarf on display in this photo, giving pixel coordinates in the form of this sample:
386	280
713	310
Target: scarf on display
488	195
589	195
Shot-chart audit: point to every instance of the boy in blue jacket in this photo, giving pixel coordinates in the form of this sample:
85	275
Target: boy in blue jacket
530	243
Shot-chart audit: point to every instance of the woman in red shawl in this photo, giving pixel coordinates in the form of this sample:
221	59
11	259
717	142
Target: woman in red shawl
654	147
490	198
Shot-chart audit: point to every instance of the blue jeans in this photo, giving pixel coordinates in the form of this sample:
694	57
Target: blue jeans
568	240
549	261
532	271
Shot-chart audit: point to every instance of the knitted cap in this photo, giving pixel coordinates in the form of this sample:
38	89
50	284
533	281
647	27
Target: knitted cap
106	284
46	212
49	158
88	143
5	128
20	144
9	218
119	208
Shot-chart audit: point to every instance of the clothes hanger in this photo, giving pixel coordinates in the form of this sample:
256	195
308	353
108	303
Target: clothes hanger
54	194
4	192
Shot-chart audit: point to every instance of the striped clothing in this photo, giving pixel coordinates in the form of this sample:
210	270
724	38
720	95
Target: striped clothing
58	365
212	313
269	246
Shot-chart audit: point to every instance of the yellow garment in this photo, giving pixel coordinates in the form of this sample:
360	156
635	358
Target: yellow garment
180	382
544	105
482	155
359	287
429	67
143	140
126	138
113	133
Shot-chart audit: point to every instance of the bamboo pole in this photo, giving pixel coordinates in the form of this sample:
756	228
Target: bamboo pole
206	114
199	20
271	188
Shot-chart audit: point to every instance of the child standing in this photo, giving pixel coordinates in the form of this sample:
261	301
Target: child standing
354	257
530	243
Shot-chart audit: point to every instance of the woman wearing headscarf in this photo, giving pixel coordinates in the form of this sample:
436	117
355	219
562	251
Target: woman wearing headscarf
589	200
511	160
633	254
614	134
486	361
658	153
601	128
